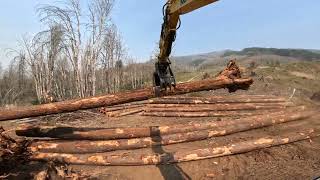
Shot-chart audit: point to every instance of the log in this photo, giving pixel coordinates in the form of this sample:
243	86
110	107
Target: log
80	147
260	96
125	112
74	133
212	107
121	98
129	159
105	110
204	114
215	101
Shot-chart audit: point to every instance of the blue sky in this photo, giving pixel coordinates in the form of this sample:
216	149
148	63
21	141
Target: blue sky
227	24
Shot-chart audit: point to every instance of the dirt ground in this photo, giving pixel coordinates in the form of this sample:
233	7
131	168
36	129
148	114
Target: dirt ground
300	160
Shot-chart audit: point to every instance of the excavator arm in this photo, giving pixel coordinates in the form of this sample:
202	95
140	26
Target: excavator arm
163	75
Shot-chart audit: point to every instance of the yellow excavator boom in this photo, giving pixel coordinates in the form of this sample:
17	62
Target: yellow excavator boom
163	75
186	6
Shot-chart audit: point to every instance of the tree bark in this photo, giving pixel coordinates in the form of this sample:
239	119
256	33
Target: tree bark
80	147
120	98
125	133
12	152
127	159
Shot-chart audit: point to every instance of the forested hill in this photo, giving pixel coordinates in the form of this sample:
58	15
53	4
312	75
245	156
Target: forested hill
295	53
285	55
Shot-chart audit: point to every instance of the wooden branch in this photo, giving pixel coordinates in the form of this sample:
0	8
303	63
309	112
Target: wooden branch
124	133
113	159
80	147
120	98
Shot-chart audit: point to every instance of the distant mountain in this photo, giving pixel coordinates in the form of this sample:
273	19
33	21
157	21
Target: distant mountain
249	53
198	59
296	53
314	50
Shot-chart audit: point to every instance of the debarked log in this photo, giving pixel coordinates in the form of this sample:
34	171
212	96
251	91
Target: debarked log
213	107
117	108
125	112
80	147
121	98
214	101
125	133
205	114
127	159
232	96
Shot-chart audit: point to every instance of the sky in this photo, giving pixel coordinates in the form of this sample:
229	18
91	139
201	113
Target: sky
226	24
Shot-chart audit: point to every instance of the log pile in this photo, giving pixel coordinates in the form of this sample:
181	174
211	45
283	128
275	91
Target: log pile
226	79
129	159
57	146
95	146
100	146
213	106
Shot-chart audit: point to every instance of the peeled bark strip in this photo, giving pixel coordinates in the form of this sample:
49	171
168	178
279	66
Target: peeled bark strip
215	101
212	107
80	147
121	98
203	114
125	133
127	159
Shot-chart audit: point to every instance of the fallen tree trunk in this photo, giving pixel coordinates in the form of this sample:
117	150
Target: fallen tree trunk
120	98
125	133
80	147
215	101
127	159
204	114
211	107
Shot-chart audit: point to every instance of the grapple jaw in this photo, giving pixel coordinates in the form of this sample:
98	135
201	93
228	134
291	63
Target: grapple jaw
163	77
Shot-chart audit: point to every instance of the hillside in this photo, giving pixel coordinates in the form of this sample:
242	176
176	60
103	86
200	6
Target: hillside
277	71
257	53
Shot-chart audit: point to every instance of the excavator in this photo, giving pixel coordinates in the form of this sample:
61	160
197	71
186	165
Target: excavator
163	77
